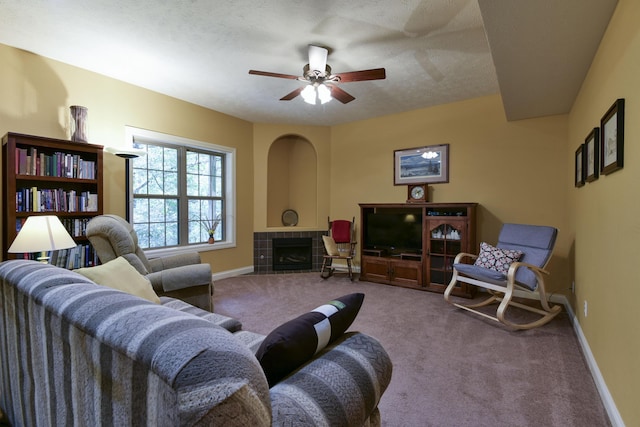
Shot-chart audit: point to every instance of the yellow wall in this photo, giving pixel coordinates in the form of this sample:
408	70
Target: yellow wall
264	136
36	95
514	170
605	215
292	181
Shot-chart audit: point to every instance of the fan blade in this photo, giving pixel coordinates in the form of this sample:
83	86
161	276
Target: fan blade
341	95
291	95
358	76
317	58
268	74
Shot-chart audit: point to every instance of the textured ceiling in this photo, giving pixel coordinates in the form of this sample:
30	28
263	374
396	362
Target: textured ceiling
535	53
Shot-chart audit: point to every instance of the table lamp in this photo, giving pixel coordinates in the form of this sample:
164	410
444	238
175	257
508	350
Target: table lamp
42	234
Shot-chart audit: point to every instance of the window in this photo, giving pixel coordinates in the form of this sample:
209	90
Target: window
180	191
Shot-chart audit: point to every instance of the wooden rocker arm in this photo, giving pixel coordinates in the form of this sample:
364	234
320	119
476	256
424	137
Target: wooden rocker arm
462	255
513	268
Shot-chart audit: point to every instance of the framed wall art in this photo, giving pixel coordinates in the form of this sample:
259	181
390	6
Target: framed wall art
421	165
580	166
592	151
612	138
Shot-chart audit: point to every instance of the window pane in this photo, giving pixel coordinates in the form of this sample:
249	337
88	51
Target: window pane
217	187
171	183
192	184
140	211
204	166
142	230
172	233
203	215
157	235
140	181
155	184
205	185
155	157
171	210
170	159
192	162
156	210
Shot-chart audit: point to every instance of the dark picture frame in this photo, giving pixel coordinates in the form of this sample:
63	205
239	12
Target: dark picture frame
421	165
612	138
592	153
580	166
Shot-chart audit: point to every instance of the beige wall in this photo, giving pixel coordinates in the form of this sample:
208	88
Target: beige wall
36	95
292	181
264	136
605	215
515	171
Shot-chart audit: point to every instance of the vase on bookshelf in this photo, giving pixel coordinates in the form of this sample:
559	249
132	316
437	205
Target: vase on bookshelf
78	123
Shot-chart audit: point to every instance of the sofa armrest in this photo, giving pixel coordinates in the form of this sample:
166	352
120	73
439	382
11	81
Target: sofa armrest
229	323
340	386
180	277
173	261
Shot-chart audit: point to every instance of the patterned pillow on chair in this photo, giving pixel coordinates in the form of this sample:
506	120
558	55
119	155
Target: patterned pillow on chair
496	259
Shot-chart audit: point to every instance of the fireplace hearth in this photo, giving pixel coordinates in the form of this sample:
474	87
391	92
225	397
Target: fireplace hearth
292	253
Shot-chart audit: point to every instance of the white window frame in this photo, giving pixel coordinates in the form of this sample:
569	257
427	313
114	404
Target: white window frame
229	196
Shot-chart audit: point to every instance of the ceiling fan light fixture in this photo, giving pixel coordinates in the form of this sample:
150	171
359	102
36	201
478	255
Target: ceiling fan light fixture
324	94
309	95
317	75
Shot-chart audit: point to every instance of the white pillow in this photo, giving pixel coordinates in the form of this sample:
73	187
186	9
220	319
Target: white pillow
119	274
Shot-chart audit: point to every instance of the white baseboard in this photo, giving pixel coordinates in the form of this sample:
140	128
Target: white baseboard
232	273
607	399
601	386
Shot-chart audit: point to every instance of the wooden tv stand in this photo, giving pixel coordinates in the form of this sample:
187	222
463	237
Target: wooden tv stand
446	230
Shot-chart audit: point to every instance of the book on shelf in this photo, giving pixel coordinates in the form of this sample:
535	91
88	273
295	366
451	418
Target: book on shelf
79	256
55	200
58	164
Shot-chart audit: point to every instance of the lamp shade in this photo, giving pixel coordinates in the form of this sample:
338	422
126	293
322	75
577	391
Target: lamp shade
42	233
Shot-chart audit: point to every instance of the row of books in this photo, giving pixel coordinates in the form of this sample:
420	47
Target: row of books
78	257
77	227
63	165
55	200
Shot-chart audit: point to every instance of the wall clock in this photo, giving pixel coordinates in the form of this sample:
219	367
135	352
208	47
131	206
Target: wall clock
417	193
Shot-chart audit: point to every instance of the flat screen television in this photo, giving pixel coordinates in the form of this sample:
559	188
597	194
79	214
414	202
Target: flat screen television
394	232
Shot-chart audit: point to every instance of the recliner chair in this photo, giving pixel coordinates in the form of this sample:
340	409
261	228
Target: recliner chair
181	276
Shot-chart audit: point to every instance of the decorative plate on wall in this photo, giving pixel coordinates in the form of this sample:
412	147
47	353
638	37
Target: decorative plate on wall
289	218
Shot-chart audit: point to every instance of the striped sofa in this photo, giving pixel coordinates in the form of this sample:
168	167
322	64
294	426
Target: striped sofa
76	353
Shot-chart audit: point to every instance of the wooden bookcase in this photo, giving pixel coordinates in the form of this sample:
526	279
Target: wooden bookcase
414	244
45	176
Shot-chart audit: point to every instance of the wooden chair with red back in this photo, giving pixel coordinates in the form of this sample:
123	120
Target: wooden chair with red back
339	244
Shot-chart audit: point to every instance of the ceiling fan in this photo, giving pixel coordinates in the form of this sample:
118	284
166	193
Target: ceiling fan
317	75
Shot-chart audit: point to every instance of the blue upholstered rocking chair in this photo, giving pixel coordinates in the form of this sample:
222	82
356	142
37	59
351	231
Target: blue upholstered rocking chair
517	263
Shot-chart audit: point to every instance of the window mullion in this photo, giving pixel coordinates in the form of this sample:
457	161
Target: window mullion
183	200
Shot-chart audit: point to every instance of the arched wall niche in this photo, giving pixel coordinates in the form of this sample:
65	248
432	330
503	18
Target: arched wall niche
292	180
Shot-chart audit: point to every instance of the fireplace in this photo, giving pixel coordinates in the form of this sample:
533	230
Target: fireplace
292	253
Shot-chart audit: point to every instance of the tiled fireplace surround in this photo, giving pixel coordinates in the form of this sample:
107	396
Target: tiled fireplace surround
263	250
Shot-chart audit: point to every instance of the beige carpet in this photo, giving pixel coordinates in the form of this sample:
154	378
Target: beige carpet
451	368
